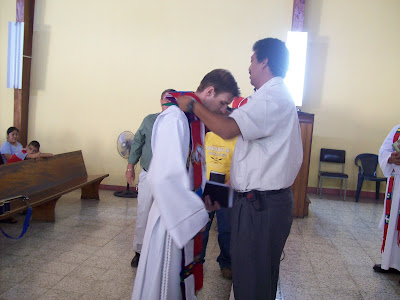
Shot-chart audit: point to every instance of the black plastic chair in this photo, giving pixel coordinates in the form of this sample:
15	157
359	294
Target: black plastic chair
332	156
367	164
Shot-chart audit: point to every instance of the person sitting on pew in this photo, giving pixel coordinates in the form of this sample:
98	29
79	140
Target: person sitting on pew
30	152
11	146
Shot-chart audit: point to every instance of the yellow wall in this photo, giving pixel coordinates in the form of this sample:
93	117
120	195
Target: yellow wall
7	13
352	78
99	66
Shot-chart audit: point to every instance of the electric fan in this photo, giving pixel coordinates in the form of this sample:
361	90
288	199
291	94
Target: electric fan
124	143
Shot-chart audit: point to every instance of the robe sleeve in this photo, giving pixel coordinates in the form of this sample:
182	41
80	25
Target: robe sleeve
384	153
182	212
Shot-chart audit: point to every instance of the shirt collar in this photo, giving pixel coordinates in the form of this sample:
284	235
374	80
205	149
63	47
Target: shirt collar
273	81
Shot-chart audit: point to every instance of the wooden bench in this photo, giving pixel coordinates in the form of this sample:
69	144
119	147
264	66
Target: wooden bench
45	181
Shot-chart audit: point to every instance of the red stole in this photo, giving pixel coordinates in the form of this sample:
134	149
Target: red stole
388	204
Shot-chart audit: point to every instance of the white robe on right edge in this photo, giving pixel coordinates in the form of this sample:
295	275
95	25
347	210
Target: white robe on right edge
391	254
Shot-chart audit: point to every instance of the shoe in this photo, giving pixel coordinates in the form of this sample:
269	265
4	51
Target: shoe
135	260
226	273
377	268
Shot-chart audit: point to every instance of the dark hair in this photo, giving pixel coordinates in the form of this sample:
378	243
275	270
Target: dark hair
167	91
276	52
222	81
35	144
11	129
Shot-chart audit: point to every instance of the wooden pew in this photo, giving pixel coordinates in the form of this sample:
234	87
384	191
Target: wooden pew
45	181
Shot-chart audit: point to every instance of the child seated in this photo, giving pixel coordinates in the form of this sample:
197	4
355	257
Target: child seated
11	146
30	152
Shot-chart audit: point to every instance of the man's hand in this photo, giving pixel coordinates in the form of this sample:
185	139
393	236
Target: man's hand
209	206
130	176
183	102
394	158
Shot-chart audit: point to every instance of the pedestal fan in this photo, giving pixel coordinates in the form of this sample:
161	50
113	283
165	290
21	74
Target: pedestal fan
124	143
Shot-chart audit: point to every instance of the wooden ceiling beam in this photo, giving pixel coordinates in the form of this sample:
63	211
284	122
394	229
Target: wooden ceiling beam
298	15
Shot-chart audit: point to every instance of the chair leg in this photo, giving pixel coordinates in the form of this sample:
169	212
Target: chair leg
341	187
345	189
359	186
320	189
378	185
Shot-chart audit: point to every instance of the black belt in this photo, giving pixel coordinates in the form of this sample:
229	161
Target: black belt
144	169
255	193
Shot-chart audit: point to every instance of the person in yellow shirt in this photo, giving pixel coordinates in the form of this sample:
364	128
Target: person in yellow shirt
219	153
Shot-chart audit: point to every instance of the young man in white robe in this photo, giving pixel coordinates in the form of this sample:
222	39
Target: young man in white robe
389	160
178	214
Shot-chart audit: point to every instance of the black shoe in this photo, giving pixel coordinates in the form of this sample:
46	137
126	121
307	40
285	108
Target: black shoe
135	260
377	268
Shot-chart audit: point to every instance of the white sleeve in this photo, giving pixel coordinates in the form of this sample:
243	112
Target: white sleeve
384	153
182	211
256	119
5	148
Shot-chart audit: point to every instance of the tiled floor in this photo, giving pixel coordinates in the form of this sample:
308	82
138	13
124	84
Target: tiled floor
330	254
86	254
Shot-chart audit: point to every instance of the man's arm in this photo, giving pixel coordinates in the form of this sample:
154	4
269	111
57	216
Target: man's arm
135	153
130	173
225	127
41	155
32	156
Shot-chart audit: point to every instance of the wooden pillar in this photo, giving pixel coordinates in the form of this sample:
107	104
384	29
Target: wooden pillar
298	15
25	13
300	184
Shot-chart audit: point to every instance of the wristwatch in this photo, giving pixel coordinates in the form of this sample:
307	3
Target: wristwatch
190	105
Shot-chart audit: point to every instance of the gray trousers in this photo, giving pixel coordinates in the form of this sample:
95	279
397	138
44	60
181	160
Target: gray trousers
260	225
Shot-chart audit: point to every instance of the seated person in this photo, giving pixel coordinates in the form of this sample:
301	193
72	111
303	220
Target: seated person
30	152
11	146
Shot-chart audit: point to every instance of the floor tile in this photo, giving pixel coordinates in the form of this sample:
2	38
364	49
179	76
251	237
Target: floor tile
86	254
23	292
59	295
42	279
75	285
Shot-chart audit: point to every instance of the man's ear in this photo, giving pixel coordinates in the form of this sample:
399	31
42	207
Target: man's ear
265	63
209	91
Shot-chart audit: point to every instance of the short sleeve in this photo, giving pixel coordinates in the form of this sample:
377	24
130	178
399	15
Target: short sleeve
256	119
5	148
